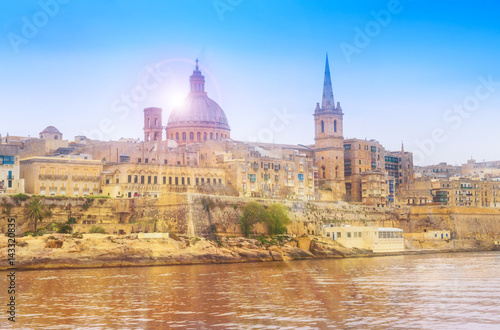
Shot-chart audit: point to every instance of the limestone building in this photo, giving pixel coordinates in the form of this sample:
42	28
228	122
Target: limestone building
70	175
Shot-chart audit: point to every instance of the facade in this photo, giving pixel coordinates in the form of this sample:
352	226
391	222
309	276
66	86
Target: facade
124	180
441	170
362	156
458	191
429	235
10	181
376	239
72	175
199	118
482	169
328	141
373	188
266	170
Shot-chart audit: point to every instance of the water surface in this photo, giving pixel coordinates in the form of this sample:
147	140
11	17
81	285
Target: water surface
443	291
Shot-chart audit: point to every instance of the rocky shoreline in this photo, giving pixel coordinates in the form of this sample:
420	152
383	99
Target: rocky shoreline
62	251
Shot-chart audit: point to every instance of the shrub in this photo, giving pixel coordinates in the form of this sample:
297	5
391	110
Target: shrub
77	235
277	219
97	230
65	229
253	212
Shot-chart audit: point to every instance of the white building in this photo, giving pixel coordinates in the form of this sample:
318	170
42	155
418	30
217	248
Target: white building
376	239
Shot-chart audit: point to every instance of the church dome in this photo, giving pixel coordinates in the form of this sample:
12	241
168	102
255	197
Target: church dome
198	109
51	130
198	118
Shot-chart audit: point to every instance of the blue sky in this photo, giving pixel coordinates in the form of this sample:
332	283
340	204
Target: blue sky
261	59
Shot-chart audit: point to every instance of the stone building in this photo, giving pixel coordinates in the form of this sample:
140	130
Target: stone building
373	188
461	191
264	169
124	180
328	141
70	175
361	156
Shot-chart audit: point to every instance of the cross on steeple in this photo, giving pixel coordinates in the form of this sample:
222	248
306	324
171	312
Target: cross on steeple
197	64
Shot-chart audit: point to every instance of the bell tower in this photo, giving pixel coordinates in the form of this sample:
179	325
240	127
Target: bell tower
329	141
152	124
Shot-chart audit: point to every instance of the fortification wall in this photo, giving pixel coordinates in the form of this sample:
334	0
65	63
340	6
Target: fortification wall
202	215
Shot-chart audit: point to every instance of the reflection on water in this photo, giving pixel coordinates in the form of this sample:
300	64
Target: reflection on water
446	291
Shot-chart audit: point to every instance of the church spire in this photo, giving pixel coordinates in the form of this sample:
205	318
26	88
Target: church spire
328	101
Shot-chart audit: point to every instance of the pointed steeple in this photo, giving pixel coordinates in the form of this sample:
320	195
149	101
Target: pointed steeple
328	101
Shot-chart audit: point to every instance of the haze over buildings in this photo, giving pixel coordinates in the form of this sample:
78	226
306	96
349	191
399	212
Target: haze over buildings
79	69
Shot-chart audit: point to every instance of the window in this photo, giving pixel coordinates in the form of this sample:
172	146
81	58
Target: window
197	181
169	180
135	178
339	234
124	159
129	179
149	179
182	180
146	160
348	235
177	136
183	136
347	147
205	136
155	180
164	180
139	160
322	127
216	136
176	181
165	161
142	179
335	126
191	136
211	136
188	181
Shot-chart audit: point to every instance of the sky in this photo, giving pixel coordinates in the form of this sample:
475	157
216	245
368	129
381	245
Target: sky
422	73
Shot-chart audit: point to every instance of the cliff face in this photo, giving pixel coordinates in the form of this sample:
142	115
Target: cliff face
203	215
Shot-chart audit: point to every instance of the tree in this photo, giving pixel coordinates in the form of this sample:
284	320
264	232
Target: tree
253	212
277	219
36	211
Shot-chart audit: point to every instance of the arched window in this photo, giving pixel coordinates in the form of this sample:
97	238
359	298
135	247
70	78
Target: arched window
211	136
191	136
322	127
171	136
183	136
198	136
149	123
216	136
336	172
335	126
55	137
324	172
177	136
156	136
205	136
148	137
